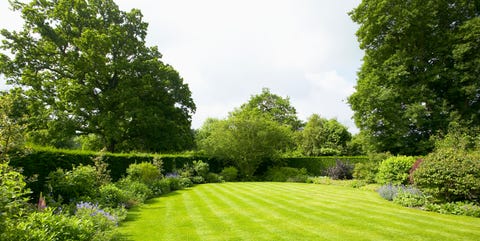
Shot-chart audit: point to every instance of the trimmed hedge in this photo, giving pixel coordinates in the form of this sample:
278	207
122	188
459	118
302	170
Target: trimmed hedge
317	166
41	161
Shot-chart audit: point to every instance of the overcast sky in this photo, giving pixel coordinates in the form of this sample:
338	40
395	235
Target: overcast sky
228	50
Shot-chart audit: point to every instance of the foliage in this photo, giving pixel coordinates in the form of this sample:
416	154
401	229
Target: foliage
341	170
13	195
12	137
365	171
247	138
102	80
457	208
78	184
144	172
318	165
410	197
452	171
388	191
395	170
322	137
275	107
138	192
161	186
48	225
419	73
229	174
201	168
41	161
110	195
213	178
284	174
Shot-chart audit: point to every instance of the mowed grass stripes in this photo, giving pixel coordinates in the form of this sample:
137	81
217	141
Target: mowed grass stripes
288	211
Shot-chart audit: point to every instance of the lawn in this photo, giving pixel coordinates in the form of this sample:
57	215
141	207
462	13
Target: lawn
288	211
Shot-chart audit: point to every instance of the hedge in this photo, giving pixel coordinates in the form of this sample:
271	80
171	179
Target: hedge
318	165
41	161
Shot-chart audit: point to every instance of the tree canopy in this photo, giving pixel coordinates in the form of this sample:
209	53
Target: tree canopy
276	107
323	137
85	69
420	71
246	138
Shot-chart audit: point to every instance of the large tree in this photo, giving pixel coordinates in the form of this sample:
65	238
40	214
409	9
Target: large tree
86	68
419	72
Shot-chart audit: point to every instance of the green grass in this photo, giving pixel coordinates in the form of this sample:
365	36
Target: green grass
288	211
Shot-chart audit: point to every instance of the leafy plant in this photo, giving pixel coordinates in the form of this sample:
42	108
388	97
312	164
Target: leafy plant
144	172
395	170
410	197
341	170
112	196
365	171
229	174
452	171
13	194
139	192
457	208
78	184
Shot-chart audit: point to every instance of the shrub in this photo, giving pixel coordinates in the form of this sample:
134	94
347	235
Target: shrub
341	170
138	192
201	168
113	196
78	184
365	171
395	170
144	172
229	174
198	179
410	197
452	171
161	186
12	194
283	174
388	191
186	182
48	225
214	178
457	208
174	183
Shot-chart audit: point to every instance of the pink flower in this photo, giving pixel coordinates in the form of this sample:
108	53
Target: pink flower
42	204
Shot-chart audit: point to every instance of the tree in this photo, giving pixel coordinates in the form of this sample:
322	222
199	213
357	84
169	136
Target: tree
278	108
323	137
247	138
85	66
416	75
11	127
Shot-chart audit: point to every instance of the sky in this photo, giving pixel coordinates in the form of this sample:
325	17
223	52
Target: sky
228	50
